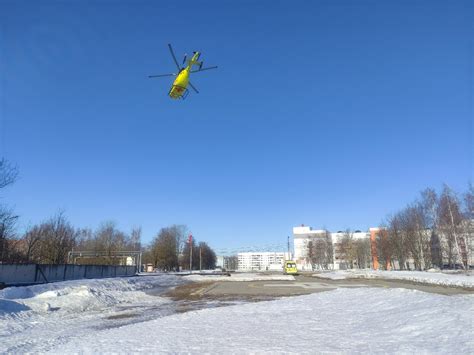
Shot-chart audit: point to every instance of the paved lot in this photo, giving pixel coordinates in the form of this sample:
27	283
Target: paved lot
306	284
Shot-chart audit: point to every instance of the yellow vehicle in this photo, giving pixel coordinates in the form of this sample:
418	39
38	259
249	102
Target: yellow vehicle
289	268
179	89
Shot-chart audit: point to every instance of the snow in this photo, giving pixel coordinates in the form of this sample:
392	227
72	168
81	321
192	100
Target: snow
432	278
40	316
128	315
362	320
240	277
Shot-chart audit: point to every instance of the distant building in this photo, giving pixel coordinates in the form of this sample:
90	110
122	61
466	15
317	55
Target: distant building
260	261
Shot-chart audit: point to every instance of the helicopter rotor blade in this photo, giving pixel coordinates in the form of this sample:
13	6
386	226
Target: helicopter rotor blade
197	92
174	57
208	68
161	75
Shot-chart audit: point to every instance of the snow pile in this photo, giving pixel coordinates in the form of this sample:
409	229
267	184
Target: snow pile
37	318
240	277
432	278
79	295
369	320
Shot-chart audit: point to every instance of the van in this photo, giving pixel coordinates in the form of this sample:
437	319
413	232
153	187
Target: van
289	268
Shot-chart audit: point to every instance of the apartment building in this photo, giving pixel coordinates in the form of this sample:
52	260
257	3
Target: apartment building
260	261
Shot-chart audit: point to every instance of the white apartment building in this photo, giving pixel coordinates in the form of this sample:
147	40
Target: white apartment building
260	261
302	235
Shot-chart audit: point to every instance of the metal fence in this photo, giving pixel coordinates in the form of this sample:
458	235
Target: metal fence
23	274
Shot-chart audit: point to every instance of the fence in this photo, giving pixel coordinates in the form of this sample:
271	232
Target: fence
18	274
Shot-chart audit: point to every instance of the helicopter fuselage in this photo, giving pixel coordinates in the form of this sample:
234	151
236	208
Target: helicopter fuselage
180	84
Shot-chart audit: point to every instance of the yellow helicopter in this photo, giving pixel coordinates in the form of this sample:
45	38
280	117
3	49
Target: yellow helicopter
179	90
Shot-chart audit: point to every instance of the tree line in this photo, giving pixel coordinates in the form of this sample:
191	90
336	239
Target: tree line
172	247
436	230
349	251
50	241
353	253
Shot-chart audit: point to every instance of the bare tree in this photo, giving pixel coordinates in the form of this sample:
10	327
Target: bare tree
362	252
311	254
8	173
384	248
232	262
320	252
429	203
85	240
451	224
7	233
52	240
135	239
320	260
329	250
346	250
32	241
468	225
397	237
108	240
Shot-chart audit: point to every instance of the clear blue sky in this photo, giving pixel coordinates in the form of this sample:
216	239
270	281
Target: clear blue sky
327	113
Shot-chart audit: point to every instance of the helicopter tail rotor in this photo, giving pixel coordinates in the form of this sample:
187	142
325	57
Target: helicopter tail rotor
202	69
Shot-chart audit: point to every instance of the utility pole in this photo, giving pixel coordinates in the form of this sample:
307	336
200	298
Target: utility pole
200	260
190	240
289	248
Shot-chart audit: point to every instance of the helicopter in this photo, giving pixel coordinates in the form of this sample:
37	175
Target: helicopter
179	89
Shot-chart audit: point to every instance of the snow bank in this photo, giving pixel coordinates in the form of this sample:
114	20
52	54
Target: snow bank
364	320
80	295
432	278
35	318
240	277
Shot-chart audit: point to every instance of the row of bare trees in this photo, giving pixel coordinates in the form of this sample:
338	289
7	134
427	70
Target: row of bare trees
436	230
171	248
353	253
350	252
50	241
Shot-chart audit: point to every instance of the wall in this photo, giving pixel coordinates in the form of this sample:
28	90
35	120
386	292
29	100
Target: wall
17	274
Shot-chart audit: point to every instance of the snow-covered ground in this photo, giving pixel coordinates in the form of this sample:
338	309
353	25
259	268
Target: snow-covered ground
240	277
432	278
127	315
366	320
36	318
